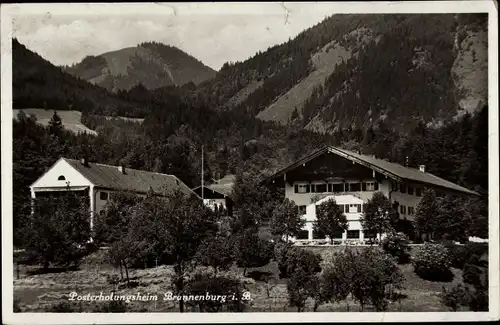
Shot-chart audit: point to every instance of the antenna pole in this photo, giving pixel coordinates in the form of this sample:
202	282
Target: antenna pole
202	196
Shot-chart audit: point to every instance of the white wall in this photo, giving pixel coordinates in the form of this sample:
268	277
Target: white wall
211	203
353	219
60	168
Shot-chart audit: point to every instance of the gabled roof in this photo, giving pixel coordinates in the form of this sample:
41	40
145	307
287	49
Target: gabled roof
223	186
395	171
110	177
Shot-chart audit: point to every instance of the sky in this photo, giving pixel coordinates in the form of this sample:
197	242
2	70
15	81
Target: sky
212	33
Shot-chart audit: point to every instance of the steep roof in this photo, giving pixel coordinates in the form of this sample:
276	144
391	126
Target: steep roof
110	177
395	171
223	186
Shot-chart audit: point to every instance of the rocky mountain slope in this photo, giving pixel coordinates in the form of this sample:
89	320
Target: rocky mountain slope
355	71
154	65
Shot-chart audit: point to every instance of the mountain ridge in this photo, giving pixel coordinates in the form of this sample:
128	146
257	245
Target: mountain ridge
152	64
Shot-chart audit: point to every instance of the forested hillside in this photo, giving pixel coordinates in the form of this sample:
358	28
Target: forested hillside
402	68
36	83
152	64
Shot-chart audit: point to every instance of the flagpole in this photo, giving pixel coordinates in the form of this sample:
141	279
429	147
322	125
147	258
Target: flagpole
202	196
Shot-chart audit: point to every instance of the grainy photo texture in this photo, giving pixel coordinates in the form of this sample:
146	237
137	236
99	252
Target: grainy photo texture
270	158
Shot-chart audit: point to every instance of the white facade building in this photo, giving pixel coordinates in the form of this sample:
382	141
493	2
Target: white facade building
98	181
353	178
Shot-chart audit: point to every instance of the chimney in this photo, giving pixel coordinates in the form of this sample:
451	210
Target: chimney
121	169
84	162
422	168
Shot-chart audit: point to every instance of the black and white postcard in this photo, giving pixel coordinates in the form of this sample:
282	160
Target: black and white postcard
249	162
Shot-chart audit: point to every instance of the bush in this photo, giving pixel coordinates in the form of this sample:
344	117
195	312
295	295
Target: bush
202	282
367	275
432	262
458	296
292	258
396	245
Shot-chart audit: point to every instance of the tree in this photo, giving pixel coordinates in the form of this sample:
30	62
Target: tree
55	124
330	219
426	212
377	214
300	286
290	258
174	226
58	229
286	220
112	223
252	251
335	278
217	252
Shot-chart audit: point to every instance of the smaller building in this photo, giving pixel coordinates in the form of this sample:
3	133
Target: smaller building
217	196
351	205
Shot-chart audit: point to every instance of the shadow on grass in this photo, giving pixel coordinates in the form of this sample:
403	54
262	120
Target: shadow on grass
259	275
51	270
435	275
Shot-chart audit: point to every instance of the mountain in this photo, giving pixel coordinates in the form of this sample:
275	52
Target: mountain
152	64
356	71
37	83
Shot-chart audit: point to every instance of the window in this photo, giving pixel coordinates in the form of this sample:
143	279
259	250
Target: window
410	190
335	188
352	234
303	234
320	188
342	207
318	234
403	188
337	234
302	188
354	208
313	188
103	196
411	211
370	186
346	187
418	191
402	209
302	209
61	178
355	187
369	234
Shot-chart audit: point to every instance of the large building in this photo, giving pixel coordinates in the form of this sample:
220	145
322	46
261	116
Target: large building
98	181
354	177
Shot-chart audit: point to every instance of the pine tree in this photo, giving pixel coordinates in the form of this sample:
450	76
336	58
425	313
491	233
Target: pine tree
55	124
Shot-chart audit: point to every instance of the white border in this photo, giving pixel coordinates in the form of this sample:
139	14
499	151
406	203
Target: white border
7	13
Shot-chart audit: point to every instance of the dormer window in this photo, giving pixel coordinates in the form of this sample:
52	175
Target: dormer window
61	178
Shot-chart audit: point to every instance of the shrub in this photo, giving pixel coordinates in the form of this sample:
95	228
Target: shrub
396	245
432	262
458	296
202	282
293	258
